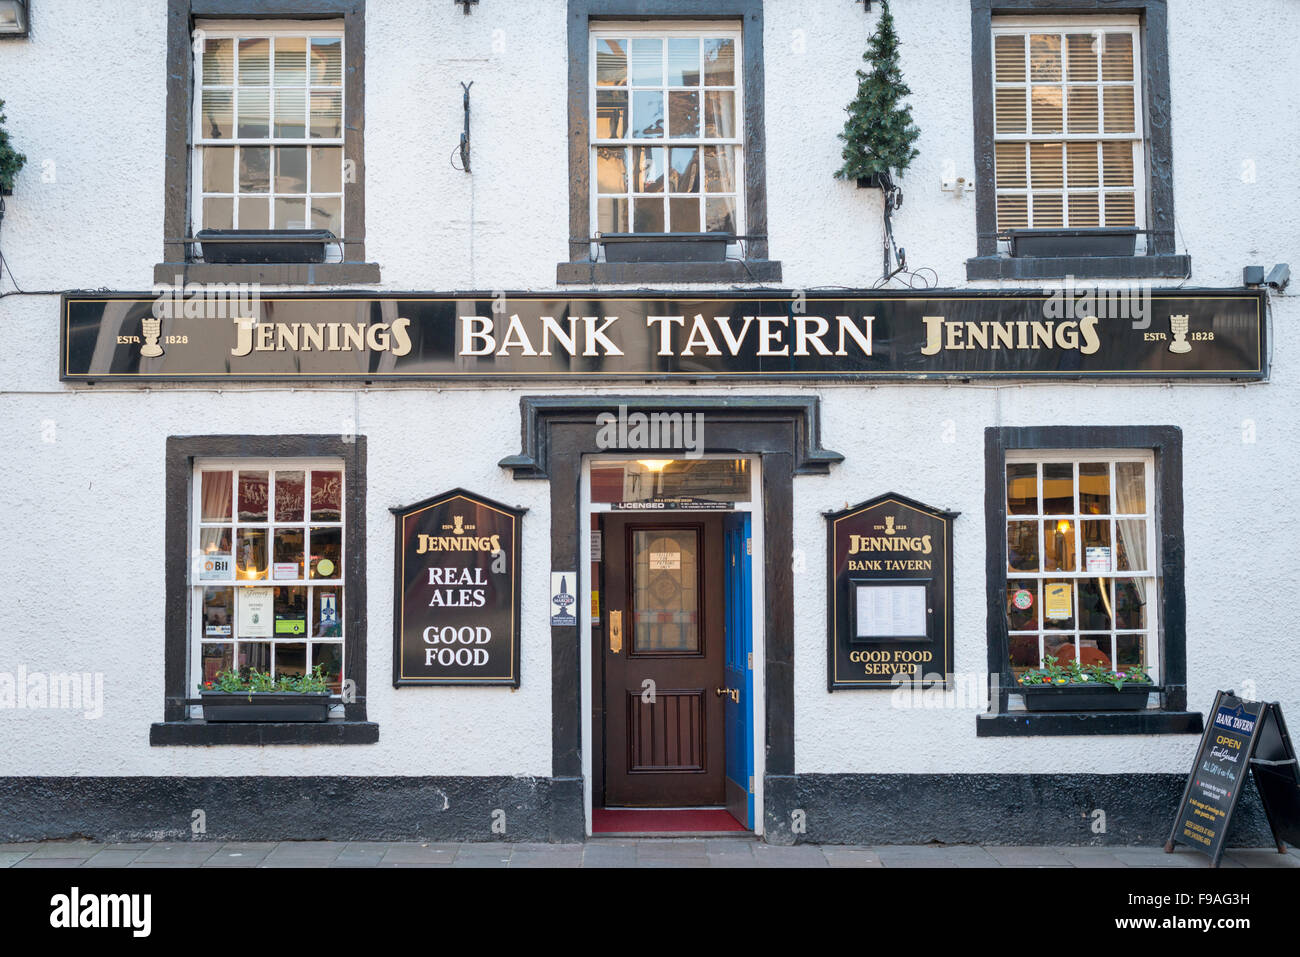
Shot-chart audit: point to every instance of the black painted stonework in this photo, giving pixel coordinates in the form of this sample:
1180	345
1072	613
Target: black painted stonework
275	808
1049	809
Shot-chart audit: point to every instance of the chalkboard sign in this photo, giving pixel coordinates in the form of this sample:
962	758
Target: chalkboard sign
456	598
1242	737
889	583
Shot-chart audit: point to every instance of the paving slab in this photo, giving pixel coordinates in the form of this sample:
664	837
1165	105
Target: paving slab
110	857
1091	857
10	858
597	855
554	858
850	856
803	855
906	855
1156	857
1259	857
1029	856
50	862
64	850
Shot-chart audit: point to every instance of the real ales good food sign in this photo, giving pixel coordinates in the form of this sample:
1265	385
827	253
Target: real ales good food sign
456	601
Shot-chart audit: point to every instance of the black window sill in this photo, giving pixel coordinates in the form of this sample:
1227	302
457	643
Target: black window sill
194	732
732	270
286	274
1081	267
1022	724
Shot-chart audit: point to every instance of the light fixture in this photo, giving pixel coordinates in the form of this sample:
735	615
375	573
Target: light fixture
654	465
14	18
1063	526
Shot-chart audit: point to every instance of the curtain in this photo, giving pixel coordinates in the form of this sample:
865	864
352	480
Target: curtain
1130	496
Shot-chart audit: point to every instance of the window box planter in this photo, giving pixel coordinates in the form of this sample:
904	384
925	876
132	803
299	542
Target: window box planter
265	245
221	706
1108	241
1086	697
666	247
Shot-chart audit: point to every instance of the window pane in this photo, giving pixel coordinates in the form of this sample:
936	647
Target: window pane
218	213
611	62
1082	109
1130	488
290	61
327	213
684	61
1058	605
1047	111
255	61
719	169
1058	488
254	113
1049	210
1081	57
290	612
254	169
1058	546
219	612
253	489
720	62
612	215
648	216
1022	606
1117	58
1011	167
1022	546
684	113
1119	209
1044	57
330	658
1097	555
290	660
218	114
1119	111
684	215
327	496
327	611
611	114
1013	212
1094	488
219	169
327	61
327	169
254	654
647	61
250	554
327	115
1046	169
288	552
218	61
216	659
719	114
611	170
1081	165
647	169
215	554
1009	110
665	597
1009	58
291	113
1130	602
1085	210
254	214
1094	604
684	170
216	491
1117	161
1132	552
720	215
326	552
291	169
1022	488
1024	652
291	213
1130	651
647	114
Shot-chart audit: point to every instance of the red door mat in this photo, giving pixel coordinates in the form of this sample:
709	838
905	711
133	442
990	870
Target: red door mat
661	820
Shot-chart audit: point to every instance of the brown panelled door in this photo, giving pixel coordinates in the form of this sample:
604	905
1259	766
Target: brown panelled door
664	650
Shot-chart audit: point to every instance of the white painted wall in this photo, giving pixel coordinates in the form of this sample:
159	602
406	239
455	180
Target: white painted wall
81	475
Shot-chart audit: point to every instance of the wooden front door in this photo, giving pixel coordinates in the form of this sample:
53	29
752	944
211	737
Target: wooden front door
664	733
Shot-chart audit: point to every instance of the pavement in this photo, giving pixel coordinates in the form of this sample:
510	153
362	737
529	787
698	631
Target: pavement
609	852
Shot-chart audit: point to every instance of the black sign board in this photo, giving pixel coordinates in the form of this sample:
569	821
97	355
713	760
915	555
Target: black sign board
1242	737
456	598
889	594
233	333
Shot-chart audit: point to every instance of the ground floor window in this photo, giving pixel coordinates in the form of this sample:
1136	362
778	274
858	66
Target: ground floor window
267	536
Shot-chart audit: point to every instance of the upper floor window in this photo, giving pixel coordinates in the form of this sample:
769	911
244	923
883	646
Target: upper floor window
1068	124
268	134
666	148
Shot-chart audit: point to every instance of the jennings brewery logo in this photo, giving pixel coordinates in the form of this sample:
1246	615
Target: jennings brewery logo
890	541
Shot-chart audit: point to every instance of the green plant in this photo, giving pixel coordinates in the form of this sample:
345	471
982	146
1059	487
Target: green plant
233	682
879	132
1072	673
11	161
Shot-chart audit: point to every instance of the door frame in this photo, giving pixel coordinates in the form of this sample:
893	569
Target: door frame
590	667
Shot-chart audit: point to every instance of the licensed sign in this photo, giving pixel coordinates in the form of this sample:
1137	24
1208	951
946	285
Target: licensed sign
456	598
889	594
213	333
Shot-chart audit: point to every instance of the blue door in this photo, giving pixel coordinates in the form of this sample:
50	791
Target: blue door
738	706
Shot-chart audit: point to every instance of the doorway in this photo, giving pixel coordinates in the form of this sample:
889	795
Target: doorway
673	690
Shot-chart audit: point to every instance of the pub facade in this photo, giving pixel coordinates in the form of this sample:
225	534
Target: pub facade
496	421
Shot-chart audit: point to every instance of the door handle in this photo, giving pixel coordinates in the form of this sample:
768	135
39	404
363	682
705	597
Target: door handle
733	693
615	632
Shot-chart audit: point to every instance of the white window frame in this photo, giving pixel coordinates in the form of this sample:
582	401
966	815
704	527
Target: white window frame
1024	26
1152	574
197	585
236	29
726	29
